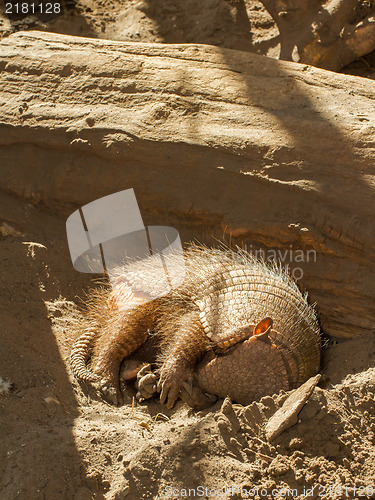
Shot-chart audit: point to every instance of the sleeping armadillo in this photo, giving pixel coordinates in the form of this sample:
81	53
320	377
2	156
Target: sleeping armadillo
236	327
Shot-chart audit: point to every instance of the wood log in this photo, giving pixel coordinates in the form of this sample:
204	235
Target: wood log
276	155
329	34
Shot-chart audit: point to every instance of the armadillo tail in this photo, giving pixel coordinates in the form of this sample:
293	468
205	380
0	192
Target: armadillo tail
80	355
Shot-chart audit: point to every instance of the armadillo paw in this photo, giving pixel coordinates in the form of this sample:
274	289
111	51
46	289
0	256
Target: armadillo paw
170	384
146	383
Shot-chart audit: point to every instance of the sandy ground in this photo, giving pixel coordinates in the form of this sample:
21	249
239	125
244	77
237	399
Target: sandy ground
59	441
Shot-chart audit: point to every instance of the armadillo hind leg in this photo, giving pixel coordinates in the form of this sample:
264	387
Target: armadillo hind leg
248	372
120	339
186	346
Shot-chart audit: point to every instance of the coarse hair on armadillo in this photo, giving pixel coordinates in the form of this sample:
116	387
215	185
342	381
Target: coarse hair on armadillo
203	262
200	262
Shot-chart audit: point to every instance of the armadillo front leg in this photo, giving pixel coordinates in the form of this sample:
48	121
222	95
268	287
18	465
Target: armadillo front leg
188	344
119	340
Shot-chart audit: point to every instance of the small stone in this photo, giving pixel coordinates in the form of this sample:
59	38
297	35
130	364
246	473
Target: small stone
287	415
7	230
267	401
234	442
295	443
53	405
90	121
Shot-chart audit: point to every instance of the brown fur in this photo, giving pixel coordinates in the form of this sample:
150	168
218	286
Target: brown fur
159	331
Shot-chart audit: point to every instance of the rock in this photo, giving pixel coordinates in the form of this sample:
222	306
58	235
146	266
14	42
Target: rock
5	386
286	416
228	411
53	405
8	230
195	129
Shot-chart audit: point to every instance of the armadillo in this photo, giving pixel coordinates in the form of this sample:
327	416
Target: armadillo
236	327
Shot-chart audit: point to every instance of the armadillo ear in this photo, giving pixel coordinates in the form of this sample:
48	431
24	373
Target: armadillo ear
263	327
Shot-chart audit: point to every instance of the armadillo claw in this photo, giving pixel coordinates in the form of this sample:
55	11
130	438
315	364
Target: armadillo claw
193	396
169	393
170	383
146	369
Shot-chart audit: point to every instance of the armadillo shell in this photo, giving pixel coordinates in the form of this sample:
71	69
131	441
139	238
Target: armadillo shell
243	295
248	372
